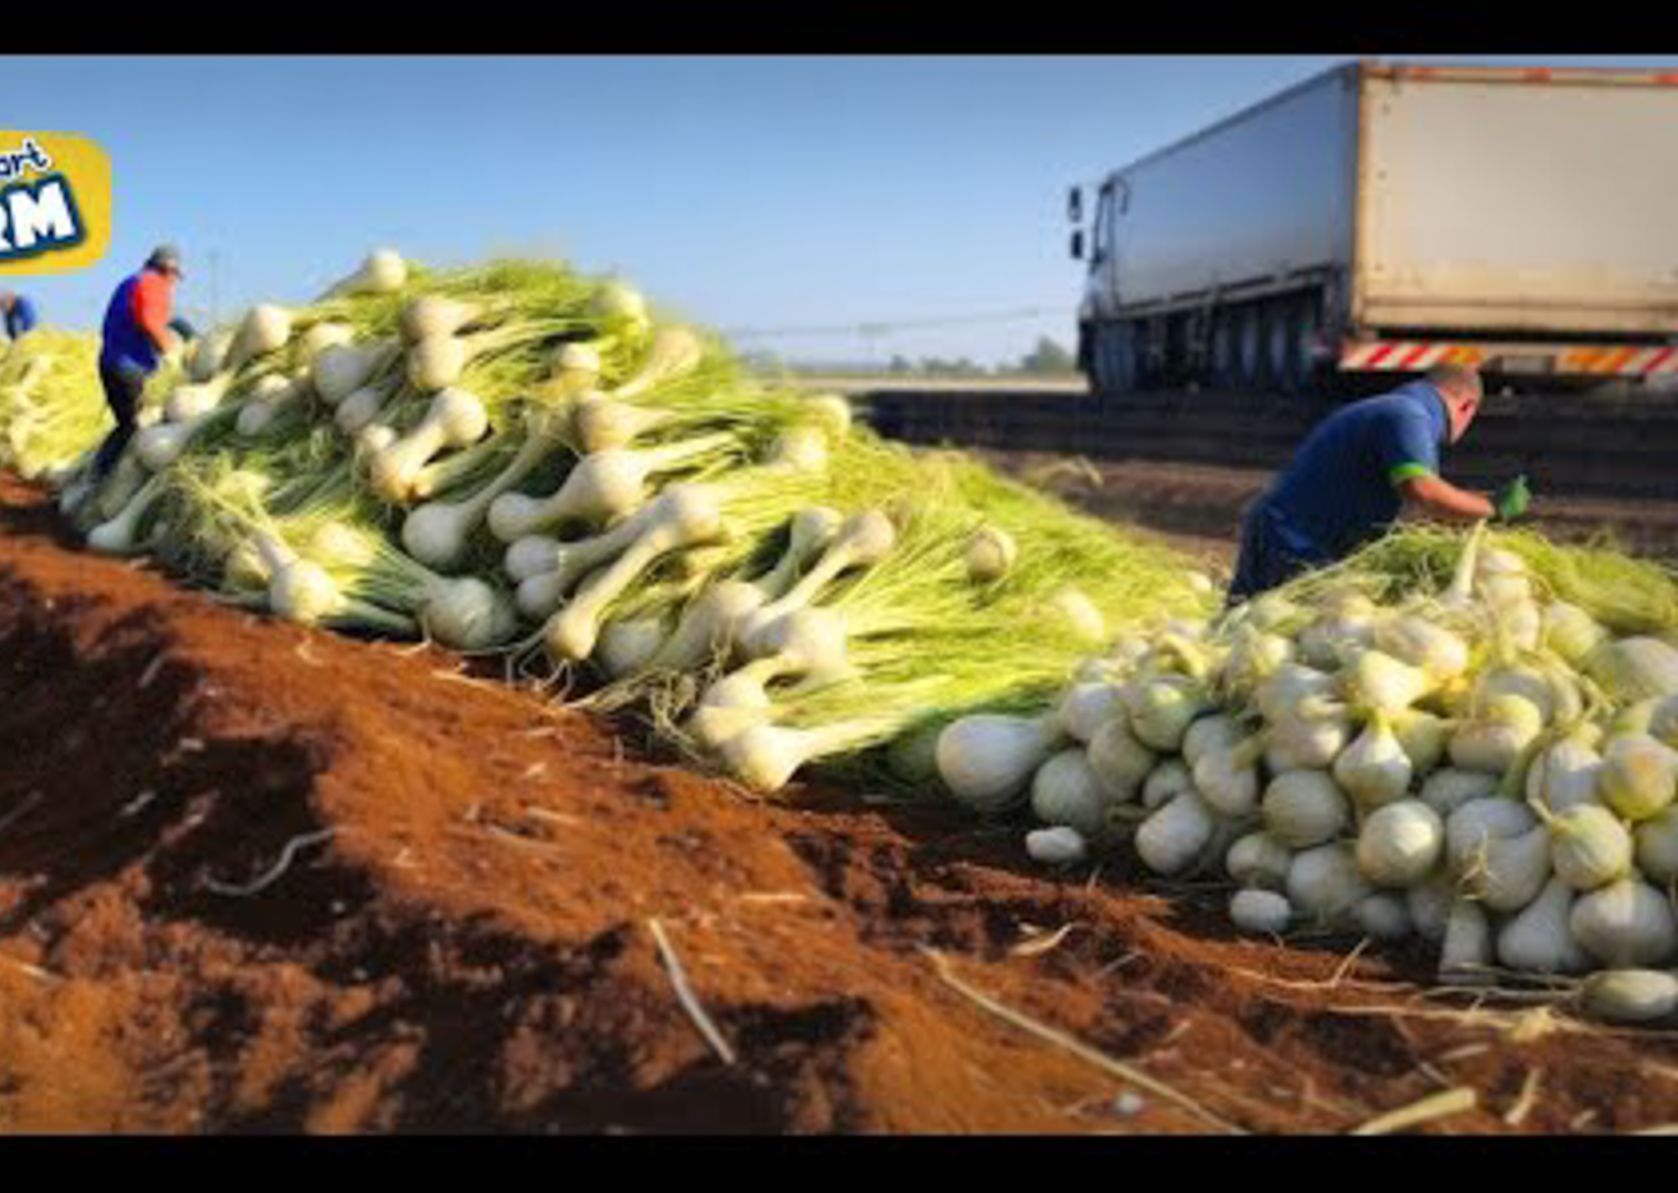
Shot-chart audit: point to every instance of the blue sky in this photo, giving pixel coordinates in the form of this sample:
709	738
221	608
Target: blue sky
744	193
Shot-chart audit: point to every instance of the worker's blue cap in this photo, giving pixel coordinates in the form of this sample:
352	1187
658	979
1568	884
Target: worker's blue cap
166	256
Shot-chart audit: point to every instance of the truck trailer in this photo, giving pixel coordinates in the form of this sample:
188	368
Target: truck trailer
1387	218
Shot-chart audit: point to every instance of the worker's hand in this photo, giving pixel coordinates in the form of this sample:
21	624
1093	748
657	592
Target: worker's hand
1512	500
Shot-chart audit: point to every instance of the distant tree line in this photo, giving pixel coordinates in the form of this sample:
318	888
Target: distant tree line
1048	358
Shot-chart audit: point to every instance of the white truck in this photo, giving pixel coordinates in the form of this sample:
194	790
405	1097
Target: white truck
1386	218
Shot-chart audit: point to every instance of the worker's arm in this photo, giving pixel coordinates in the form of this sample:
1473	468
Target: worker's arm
151	308
1437	496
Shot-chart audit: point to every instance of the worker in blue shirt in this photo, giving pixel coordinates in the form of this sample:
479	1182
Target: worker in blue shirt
18	313
1354	473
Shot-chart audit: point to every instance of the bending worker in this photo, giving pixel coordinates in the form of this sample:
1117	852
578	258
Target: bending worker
1356	470
18	313
136	335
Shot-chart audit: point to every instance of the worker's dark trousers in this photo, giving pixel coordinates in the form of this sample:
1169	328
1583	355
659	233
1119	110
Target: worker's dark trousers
1265	562
123	386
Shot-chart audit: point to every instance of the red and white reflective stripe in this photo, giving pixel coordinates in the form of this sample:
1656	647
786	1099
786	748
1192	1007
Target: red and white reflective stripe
1619	362
1412	355
1400	355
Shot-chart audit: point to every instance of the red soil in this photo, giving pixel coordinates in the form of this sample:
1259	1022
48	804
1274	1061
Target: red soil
471	949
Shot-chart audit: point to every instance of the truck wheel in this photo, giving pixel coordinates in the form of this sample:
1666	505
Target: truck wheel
1111	369
1095	364
1222	370
1280	318
1126	370
1304	324
1249	354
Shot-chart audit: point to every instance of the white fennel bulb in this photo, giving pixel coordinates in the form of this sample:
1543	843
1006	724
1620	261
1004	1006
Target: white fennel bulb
1508	872
437	316
1121	762
987	760
1066	792
1162	708
1172	839
1589	846
674	352
339	370
160	445
1305	743
467	614
602	487
1399	843
1166	781
439	533
1291	689
360	409
708	626
800	449
990	554
1539	939
1214	732
1635	668
1260	912
1570	632
382	272
1412	639
1494	737
1629	995
1656	846
626	646
265	328
206	357
120	535
1383	916
1258	860
1374	769
686	515
1376	682
863	540
1477	822
541	593
1078	613
1662	724
1429	903
270	398
1228	779
600	423
1335	638
1423	737
320	337
189	401
1567	772
1058	846
1254	655
765	757
1468	950
1324	882
1639	775
1448	788
1085	707
1625	925
1305	808
455	418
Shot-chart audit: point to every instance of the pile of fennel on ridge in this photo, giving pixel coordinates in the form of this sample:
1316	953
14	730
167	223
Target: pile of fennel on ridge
517	458
1471	740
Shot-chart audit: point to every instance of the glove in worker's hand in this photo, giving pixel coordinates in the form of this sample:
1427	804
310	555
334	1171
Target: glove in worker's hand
1512	500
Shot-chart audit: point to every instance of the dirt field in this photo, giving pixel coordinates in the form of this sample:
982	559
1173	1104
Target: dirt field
256	878
1198	507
